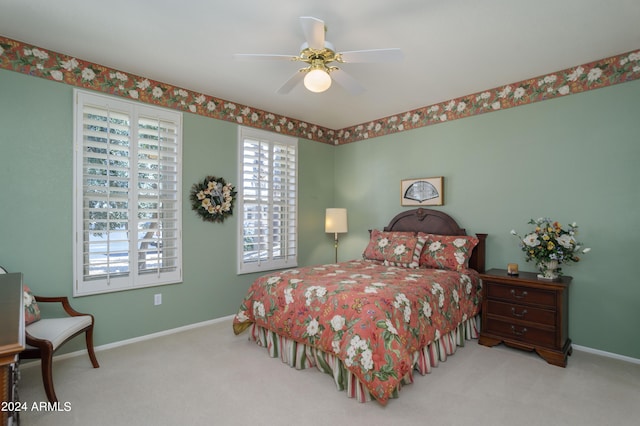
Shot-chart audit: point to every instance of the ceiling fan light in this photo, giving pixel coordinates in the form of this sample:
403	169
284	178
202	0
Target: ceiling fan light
317	80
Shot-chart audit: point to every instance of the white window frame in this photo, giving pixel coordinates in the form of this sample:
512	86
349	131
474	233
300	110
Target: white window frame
144	165
279	239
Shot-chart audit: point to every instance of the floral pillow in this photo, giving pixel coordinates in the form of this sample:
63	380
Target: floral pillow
394	248
450	252
31	309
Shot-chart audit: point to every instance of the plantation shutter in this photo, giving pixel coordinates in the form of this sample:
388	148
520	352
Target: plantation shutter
127	208
268	194
158	197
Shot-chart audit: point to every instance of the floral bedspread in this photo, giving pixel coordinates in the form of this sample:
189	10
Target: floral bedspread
372	317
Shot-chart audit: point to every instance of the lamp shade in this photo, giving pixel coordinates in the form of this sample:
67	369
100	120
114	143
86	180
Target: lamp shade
317	80
335	221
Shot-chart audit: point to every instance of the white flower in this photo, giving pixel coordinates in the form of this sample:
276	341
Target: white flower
435	246
426	310
88	74
288	296
56	75
40	54
258	309
460	257
157	92
367	359
575	74
531	240
390	327
273	280
337	322
28	299
242	316
459	242
143	85
519	92
586	250
594	74
312	328
566	241
335	345
70	65
400	250
383	243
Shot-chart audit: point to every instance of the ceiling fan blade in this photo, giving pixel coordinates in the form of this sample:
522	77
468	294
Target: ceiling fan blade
262	57
346	81
373	55
313	29
291	83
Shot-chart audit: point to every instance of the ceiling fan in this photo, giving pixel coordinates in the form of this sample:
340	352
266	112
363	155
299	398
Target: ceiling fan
319	54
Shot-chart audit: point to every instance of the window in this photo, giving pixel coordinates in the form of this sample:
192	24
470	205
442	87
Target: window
267	194
127	195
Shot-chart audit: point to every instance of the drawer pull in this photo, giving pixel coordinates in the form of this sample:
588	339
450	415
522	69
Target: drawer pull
518	296
518	332
516	314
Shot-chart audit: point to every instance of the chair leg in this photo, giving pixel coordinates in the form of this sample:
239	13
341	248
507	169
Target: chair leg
92	354
47	373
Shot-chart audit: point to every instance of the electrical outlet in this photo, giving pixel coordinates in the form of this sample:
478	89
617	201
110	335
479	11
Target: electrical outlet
157	299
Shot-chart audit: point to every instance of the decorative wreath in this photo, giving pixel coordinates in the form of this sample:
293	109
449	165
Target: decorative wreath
213	199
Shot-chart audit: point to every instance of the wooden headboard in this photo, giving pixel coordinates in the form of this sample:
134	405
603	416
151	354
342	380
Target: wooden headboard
437	222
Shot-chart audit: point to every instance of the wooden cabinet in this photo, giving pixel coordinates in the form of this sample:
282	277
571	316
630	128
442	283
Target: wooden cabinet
526	313
11	344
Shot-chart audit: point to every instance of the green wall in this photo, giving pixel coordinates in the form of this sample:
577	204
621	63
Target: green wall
572	159
36	118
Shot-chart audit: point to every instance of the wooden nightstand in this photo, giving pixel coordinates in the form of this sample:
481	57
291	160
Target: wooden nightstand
526	313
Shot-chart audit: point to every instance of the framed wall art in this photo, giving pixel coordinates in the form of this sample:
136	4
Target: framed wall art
422	192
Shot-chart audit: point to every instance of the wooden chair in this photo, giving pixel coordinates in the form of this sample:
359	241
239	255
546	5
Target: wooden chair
46	335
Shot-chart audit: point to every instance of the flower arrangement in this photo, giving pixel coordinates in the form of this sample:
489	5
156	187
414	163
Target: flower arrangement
213	199
550	245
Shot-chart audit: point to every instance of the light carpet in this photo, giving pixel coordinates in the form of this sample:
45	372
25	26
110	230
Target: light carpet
208	376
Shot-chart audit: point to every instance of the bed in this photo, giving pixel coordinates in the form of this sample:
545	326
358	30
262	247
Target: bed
412	299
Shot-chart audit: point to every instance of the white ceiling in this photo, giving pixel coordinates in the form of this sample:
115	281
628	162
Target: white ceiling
452	47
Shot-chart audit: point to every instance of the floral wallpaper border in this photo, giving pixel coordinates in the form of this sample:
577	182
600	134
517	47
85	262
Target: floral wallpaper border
34	61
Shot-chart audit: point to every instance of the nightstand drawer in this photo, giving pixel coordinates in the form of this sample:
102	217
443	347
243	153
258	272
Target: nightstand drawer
522	312
527	334
521	295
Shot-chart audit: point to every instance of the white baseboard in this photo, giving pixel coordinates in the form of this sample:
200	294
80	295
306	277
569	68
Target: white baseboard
134	340
230	317
606	354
